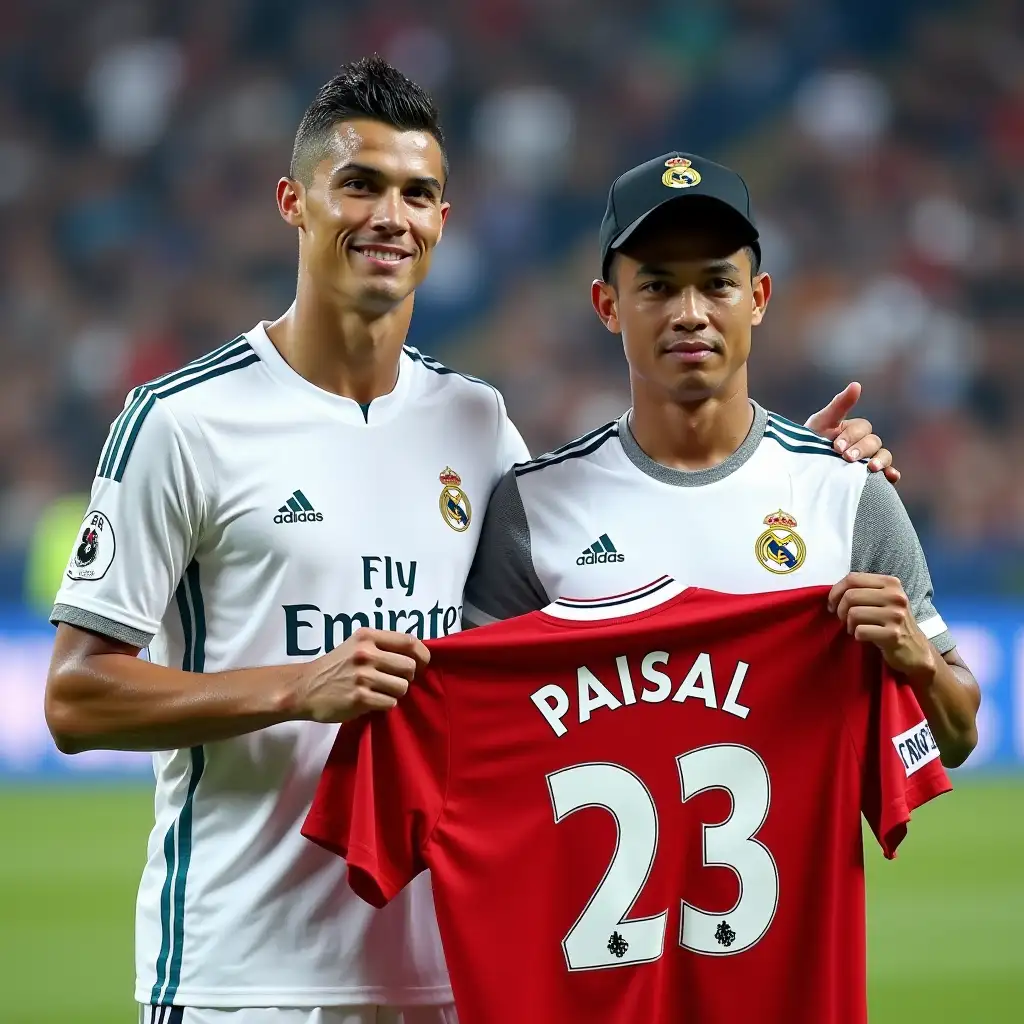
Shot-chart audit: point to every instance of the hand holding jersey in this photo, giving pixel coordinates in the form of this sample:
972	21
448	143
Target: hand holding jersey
368	672
876	609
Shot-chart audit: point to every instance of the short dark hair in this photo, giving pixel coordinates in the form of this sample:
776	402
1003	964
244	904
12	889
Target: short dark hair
367	88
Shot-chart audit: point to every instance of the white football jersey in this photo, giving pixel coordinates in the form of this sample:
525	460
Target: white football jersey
600	517
240	517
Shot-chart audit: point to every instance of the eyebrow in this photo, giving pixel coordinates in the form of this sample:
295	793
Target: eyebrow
721	267
372	172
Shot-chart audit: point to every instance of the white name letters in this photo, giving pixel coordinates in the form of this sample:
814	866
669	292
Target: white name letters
555	703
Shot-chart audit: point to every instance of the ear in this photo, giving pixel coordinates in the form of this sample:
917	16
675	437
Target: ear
605	301
291	195
445	207
762	292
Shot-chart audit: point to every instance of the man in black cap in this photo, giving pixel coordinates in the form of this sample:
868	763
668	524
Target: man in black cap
696	480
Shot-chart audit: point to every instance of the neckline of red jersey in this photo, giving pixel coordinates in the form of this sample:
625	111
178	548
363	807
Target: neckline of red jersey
614	606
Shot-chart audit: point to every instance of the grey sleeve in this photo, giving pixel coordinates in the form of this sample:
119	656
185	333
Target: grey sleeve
502	580
885	542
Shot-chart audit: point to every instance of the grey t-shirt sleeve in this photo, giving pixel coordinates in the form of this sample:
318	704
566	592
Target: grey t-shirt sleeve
885	542
502	580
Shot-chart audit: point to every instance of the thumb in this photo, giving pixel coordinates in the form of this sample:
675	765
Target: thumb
827	421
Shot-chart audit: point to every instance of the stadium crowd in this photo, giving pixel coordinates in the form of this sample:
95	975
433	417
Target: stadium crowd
137	224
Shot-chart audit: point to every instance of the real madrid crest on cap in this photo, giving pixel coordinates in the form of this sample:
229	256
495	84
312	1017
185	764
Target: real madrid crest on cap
780	548
456	510
680	174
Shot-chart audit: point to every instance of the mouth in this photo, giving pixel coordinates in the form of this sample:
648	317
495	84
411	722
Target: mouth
690	351
383	257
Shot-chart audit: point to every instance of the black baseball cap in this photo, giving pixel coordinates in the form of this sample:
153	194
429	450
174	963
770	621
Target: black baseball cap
673	178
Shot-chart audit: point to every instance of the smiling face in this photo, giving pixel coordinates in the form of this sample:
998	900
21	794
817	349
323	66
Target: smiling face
684	299
370	216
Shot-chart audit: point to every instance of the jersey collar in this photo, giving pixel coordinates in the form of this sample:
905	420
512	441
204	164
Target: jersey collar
644	598
693	477
380	409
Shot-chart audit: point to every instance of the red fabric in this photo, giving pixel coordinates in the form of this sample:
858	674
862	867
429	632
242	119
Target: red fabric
463	777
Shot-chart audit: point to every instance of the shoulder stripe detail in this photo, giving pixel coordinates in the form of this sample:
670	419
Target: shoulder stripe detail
554	459
801	434
801	449
178	839
430	363
218	355
125	431
210	374
129	443
117	432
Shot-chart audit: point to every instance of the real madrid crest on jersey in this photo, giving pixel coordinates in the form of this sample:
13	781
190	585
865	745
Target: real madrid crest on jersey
780	548
456	510
680	174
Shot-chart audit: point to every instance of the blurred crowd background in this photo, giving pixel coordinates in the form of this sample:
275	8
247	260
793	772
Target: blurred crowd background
140	145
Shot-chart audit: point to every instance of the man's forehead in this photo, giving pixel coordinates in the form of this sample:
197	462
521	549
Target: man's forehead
687	252
392	150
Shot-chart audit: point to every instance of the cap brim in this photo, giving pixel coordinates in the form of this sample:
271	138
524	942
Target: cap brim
745	228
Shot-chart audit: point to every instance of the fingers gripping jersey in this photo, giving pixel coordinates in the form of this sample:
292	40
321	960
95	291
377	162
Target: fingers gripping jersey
241	516
650	817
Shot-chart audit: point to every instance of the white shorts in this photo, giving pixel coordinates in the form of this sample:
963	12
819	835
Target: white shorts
300	1015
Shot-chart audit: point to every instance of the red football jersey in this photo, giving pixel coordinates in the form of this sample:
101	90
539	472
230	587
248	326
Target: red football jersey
641	809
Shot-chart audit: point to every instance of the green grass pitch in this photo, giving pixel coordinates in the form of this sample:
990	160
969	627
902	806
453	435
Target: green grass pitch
946	918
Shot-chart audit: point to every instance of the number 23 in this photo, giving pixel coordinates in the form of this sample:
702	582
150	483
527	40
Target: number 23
601	936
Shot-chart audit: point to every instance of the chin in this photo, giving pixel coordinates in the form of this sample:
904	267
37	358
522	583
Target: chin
382	295
693	387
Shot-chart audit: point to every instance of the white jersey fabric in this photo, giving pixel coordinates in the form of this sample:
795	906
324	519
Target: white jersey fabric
600	517
241	517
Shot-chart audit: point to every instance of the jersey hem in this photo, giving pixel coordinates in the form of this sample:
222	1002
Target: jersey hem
245	998
368	879
903	807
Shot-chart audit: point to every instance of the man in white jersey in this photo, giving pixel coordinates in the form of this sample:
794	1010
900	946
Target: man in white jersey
250	512
697	481
291	516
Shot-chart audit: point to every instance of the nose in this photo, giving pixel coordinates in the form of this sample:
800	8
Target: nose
691	312
388	216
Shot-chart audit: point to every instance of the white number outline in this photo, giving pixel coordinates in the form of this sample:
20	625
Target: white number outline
684	906
567	942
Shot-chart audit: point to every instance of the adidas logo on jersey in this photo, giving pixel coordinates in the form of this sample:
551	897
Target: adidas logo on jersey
600	552
297	509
